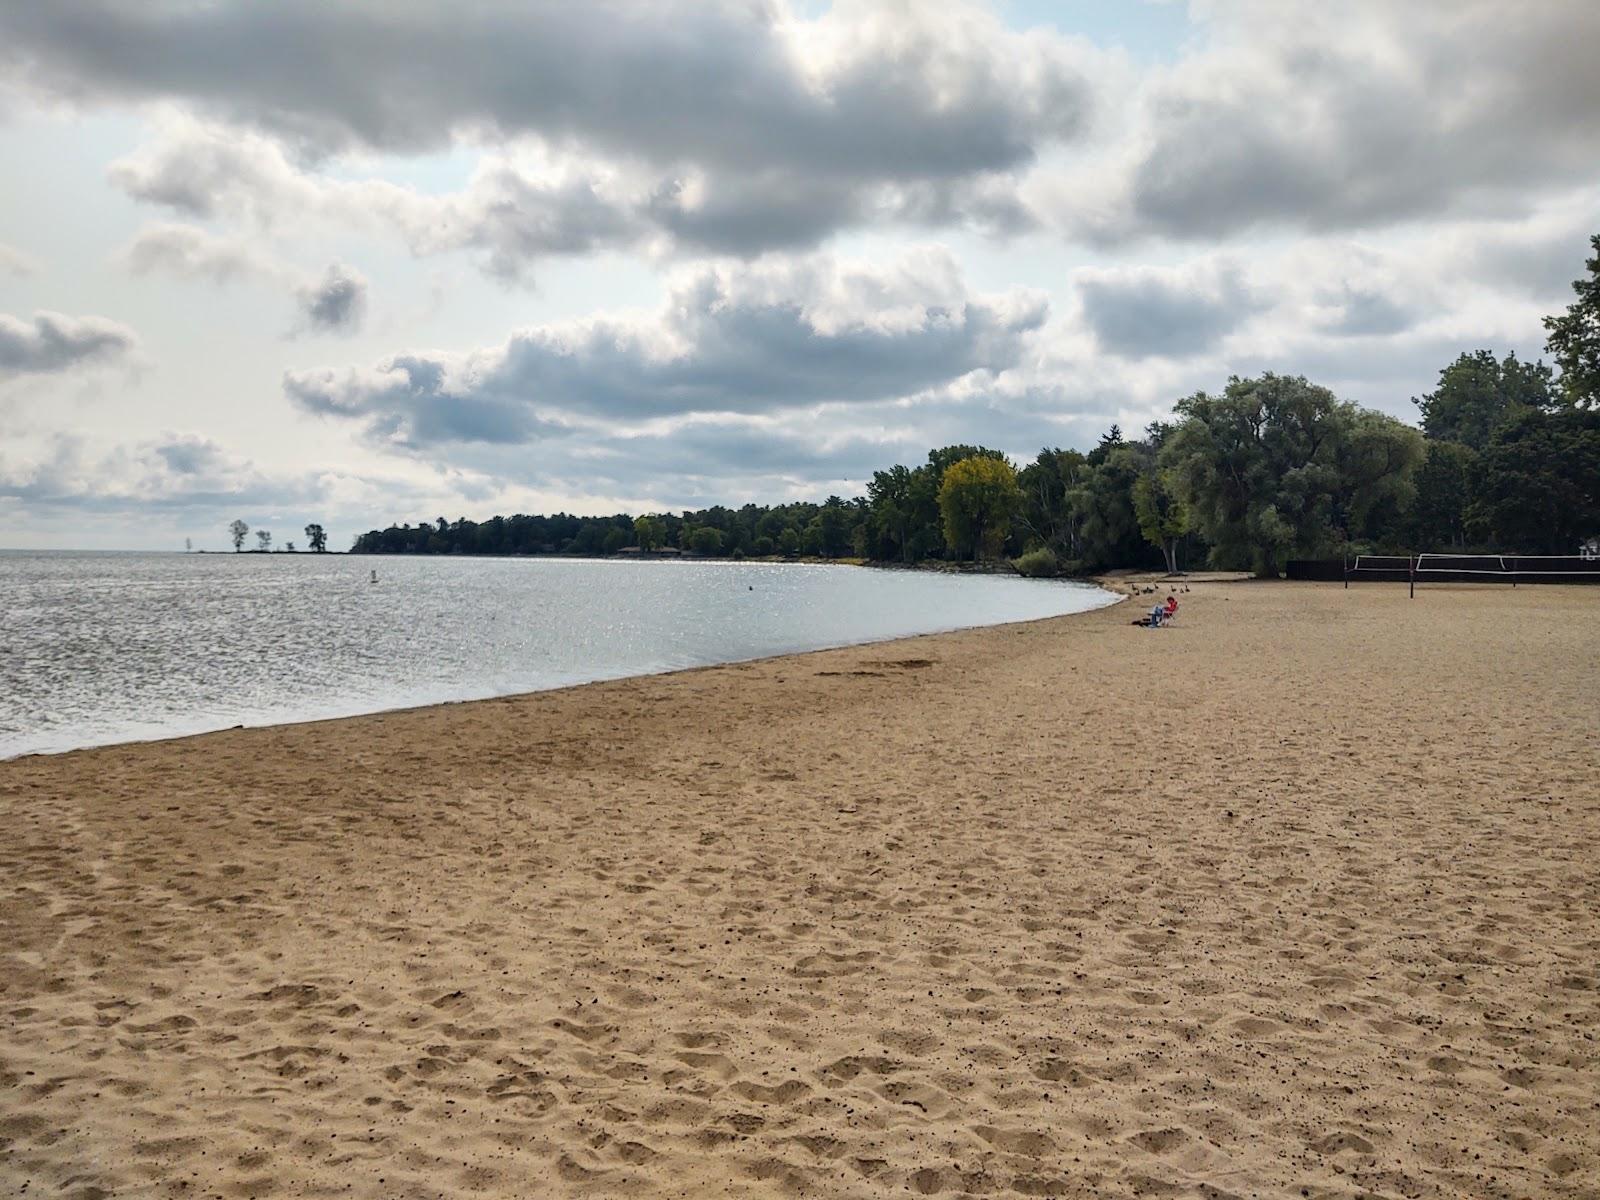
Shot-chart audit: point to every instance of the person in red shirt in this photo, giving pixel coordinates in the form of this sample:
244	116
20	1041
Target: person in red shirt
1172	607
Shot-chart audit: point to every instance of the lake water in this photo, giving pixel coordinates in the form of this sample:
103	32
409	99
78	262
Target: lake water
101	648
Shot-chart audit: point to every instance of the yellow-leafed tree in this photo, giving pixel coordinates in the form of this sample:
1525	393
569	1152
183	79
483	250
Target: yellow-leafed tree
977	500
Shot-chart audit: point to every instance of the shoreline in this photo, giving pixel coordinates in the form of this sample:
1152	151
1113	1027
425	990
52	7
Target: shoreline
1117	597
1063	907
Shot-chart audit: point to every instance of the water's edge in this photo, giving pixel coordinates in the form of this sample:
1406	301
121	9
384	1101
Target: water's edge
1112	599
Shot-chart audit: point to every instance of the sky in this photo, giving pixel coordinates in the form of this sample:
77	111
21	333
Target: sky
385	261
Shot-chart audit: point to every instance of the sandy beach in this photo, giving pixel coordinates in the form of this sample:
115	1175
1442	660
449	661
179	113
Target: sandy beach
1300	897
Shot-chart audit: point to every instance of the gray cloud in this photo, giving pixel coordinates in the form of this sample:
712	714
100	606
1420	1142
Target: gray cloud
512	213
174	471
193	253
1540	259
1138	313
723	126
1359	115
884	91
335	304
53	342
1364	312
155	492
193	456
761	339
511	218
734	458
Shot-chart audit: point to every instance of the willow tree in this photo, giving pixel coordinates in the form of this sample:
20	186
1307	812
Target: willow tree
977	499
1278	465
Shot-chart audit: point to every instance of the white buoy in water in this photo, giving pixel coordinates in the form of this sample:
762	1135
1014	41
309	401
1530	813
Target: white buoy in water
374	577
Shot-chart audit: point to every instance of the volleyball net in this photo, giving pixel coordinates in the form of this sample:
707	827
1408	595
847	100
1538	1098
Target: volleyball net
1472	568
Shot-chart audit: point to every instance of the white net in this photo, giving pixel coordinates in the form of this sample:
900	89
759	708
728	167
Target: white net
1489	566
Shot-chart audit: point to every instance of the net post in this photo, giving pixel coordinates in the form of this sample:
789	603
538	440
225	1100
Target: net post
1346	572
1412	564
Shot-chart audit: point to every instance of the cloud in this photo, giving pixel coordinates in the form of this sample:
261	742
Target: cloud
1540	256
1138	312
737	128
1352	116
1361	313
868	88
175	470
195	477
754	339
53	342
335	304
727	125
523	205
15	262
192	253
512	213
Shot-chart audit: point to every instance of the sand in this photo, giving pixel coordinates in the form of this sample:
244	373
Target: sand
1298	898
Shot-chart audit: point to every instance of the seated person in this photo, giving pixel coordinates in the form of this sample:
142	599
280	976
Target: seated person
1158	614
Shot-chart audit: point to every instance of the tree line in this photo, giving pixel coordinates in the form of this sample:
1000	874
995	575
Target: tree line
1507	460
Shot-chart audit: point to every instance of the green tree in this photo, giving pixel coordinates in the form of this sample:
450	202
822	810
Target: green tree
316	538
789	541
1163	516
264	538
1109	441
616	539
978	497
1278	465
706	540
1377	459
1574	336
811	538
834	526
238	531
1476	393
1444	497
891	508
1103	505
649	533
1048	483
1537	483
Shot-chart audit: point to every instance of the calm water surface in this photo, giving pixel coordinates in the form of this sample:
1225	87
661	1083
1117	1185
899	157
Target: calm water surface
101	648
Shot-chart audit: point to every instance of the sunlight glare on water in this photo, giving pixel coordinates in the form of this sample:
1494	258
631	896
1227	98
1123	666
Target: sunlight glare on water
103	648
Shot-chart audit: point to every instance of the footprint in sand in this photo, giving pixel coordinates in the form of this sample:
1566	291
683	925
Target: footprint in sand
584	1033
932	1180
1055	1070
694	1040
1256	1026
783	1093
1340	1141
1159	1141
821	1145
1017	1141
715	1064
